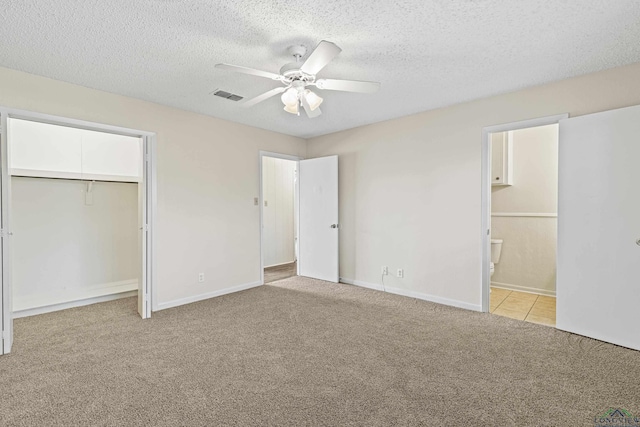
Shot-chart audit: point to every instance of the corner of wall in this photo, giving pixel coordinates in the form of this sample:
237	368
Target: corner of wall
306	147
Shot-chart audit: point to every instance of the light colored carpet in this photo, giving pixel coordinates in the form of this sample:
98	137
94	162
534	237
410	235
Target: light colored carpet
272	274
304	352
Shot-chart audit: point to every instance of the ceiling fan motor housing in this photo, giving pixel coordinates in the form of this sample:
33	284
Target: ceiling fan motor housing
291	71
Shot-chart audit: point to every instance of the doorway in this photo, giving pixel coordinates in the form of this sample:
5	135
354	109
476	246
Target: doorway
74	195
315	240
279	207
519	222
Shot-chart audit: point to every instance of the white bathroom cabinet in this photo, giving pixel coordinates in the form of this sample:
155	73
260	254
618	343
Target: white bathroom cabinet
502	158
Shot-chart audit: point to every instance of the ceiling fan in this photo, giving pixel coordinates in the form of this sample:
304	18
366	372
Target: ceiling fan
297	76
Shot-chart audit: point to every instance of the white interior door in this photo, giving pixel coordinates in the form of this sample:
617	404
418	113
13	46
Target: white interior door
6	318
598	282
318	219
144	300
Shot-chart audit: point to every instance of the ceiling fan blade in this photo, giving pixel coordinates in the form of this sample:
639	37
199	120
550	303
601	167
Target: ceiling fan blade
307	108
348	85
250	71
266	95
320	57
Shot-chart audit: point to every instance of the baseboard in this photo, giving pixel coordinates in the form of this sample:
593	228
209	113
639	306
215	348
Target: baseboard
362	284
68	296
200	297
78	303
413	294
511	287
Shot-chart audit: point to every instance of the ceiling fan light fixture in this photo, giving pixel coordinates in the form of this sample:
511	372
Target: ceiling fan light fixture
290	97
313	99
293	109
296	76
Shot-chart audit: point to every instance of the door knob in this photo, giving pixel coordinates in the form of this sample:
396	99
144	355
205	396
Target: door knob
336	226
638	242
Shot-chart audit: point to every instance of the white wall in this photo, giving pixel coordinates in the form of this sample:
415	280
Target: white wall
208	176
528	259
64	250
410	187
278	181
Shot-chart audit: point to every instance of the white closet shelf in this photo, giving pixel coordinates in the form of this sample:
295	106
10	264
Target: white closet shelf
34	173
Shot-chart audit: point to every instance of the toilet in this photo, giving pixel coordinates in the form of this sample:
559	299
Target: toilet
496	249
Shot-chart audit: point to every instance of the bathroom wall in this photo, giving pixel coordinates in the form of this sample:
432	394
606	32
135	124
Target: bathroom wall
524	214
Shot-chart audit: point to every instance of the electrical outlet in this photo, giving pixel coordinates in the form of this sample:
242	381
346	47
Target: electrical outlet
400	273
385	270
200	277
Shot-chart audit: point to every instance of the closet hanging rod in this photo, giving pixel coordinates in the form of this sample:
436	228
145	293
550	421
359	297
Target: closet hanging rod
70	177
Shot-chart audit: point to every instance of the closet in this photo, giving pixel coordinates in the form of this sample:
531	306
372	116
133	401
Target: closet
75	210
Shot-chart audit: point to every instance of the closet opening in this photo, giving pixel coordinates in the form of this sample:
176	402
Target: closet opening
78	199
75	206
279	213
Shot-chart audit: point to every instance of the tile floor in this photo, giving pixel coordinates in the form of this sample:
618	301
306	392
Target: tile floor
523	306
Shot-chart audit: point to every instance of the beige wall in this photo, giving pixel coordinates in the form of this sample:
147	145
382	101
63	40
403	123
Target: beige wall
410	187
528	259
208	175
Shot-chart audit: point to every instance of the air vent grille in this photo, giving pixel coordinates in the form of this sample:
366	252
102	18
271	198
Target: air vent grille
227	95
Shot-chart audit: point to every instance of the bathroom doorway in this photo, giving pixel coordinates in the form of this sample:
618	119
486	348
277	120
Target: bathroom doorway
520	220
279	203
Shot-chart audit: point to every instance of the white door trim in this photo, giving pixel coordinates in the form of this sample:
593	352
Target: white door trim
297	159
485	191
6	319
149	142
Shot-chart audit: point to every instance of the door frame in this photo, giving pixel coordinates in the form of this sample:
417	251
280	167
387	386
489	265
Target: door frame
296	205
149	187
485	227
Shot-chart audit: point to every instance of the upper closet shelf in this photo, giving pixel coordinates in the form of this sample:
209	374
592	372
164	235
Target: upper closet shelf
43	150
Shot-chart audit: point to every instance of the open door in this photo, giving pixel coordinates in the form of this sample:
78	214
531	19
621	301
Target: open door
598	279
6	318
318	219
144	297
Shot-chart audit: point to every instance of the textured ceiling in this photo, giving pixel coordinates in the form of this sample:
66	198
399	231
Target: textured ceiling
426	53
